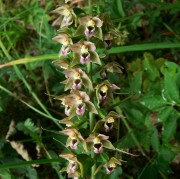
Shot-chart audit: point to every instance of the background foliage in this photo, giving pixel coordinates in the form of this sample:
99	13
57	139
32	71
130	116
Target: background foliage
149	96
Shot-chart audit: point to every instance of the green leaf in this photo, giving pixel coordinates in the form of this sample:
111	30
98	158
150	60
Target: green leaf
153	102
150	68
163	160
165	113
155	140
143	47
135	116
169	128
136	83
149	172
29	128
103	157
28	163
171	87
144	137
118	8
87	162
5	174
126	142
31	173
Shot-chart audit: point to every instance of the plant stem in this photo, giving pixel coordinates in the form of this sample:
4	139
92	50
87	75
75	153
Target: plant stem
91	123
91	116
90	7
33	108
20	75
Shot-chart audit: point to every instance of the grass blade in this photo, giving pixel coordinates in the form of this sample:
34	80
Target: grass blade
120	49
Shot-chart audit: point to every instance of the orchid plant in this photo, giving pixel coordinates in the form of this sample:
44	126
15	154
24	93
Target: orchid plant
88	98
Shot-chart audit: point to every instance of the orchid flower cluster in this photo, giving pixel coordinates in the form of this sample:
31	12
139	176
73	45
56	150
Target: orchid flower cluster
79	59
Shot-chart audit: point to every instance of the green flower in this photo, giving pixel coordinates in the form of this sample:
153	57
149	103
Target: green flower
76	103
111	165
84	52
90	26
108	122
104	92
74	138
66	41
67	13
98	142
73	168
75	78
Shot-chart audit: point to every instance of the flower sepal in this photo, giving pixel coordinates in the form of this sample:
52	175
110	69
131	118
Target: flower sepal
98	142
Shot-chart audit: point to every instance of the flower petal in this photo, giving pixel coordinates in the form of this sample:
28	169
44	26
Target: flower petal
108	144
95	57
90	107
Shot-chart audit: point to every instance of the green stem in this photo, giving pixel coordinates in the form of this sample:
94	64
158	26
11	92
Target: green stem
90	7
31	107
20	75
91	116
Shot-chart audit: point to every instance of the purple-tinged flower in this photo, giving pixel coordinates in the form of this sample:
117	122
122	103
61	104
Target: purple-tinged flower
75	78
73	168
90	26
84	52
108	122
74	138
66	41
68	15
113	67
62	63
98	142
77	102
104	91
111	165
67	121
108	38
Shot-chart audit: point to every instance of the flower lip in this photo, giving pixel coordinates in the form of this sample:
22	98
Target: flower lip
104	89
98	148
80	109
96	140
85	58
77	84
64	41
110	120
66	12
98	145
79	100
84	49
76	75
89	31
110	125
72	167
77	81
67	110
72	135
73	144
91	23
